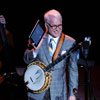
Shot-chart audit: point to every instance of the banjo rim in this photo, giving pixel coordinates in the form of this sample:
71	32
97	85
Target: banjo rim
48	77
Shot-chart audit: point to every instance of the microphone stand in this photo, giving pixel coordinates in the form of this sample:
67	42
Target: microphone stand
89	92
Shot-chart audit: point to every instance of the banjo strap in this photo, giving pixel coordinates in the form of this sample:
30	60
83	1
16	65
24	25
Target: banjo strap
58	46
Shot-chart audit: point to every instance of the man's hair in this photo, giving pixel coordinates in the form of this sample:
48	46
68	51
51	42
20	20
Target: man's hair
52	12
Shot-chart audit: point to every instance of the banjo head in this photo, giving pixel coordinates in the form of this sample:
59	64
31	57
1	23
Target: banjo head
35	78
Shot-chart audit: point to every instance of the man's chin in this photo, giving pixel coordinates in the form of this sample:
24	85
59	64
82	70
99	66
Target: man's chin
55	36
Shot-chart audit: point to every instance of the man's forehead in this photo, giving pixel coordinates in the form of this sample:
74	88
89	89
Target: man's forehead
52	18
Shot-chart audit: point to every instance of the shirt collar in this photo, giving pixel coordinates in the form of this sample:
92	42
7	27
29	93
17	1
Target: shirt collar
55	39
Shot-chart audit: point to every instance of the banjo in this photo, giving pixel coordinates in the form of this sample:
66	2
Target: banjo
38	76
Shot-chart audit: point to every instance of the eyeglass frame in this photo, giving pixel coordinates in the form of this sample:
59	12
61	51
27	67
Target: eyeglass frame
54	26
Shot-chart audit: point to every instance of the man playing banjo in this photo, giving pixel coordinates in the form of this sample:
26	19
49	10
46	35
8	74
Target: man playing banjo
53	44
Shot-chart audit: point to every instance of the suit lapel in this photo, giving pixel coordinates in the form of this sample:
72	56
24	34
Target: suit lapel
46	50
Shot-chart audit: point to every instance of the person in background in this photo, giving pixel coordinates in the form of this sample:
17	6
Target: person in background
53	34
6	47
6	61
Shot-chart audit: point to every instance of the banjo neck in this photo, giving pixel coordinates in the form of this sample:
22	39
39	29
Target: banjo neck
38	75
60	58
48	68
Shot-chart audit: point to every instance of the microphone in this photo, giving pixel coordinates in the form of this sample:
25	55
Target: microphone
85	47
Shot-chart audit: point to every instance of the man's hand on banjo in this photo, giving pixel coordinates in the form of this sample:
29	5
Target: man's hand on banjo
37	76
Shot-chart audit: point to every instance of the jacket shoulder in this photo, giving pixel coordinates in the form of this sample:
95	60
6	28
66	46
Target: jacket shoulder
69	38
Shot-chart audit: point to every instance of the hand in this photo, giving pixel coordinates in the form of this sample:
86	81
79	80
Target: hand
2	19
35	49
37	76
72	98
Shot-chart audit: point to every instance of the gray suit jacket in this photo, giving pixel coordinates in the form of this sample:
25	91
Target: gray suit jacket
58	89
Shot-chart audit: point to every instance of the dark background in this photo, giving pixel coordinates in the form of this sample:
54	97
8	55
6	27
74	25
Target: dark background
80	19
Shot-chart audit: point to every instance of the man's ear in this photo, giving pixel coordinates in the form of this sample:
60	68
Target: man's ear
46	27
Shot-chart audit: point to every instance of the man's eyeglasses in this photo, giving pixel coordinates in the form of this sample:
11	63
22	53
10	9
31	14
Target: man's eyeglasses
55	26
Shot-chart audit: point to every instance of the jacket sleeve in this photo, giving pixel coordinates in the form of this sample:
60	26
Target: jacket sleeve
29	56
73	73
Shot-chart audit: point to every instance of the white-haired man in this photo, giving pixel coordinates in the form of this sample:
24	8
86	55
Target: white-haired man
58	89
